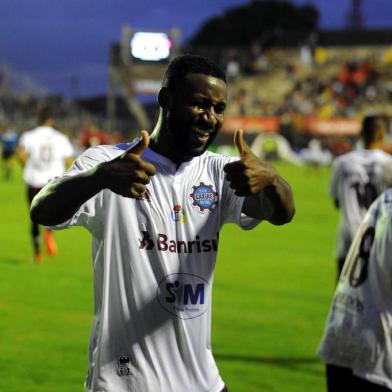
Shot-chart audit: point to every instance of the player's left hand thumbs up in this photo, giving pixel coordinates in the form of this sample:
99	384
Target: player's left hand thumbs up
242	147
249	175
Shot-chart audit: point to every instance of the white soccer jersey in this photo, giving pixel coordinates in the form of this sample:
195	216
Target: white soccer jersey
358	333
357	179
154	260
47	151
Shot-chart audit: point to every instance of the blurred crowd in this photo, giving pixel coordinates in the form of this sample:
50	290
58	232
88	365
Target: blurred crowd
292	85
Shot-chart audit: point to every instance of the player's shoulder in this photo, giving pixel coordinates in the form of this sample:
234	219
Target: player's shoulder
386	198
349	158
385	156
381	208
340	160
214	158
104	152
26	137
27	133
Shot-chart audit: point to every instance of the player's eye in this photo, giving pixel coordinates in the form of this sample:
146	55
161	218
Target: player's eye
219	109
202	104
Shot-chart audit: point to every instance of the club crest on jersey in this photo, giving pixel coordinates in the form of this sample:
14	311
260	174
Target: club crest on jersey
204	197
177	214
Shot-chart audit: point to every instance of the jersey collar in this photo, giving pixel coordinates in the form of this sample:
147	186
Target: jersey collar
155	157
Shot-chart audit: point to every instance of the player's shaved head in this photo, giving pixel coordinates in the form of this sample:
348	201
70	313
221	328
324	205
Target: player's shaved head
186	64
373	128
44	113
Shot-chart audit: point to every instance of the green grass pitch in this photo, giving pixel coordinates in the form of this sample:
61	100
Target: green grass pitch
271	295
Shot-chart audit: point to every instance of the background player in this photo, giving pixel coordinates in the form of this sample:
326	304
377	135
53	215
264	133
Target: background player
44	153
9	142
357	342
356	182
153	273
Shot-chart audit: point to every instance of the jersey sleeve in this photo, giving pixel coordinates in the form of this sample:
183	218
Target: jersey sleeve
91	213
23	141
335	178
232	204
383	235
67	149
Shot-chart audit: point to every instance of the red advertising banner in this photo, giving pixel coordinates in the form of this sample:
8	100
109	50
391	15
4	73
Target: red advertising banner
251	124
334	126
338	126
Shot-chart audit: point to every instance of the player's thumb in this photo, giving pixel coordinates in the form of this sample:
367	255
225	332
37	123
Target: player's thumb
141	145
242	147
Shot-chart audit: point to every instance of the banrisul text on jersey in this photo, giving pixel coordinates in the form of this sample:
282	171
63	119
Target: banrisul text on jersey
164	244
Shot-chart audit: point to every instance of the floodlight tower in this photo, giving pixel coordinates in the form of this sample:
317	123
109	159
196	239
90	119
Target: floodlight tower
136	68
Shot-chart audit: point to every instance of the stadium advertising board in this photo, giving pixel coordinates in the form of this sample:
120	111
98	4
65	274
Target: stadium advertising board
251	124
337	126
334	126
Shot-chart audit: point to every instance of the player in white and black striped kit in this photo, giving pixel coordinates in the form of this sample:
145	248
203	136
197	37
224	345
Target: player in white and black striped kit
357	342
155	208
356	182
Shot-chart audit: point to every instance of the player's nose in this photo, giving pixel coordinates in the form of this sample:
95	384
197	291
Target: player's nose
209	116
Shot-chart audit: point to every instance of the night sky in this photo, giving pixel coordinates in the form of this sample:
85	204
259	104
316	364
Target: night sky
53	40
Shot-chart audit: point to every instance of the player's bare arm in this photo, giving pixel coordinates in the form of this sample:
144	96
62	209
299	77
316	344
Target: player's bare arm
126	175
21	154
268	195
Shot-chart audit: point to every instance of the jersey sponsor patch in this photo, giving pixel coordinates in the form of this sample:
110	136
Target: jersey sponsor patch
204	197
163	243
183	295
178	215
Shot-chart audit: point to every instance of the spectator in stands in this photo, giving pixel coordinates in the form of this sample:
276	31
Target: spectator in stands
90	135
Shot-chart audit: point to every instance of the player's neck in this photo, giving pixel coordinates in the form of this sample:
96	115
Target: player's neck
376	145
47	123
161	143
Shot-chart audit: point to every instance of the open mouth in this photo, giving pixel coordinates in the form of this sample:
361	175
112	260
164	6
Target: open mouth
202	132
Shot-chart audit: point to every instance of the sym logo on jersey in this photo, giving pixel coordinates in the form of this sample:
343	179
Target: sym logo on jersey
183	295
204	197
164	244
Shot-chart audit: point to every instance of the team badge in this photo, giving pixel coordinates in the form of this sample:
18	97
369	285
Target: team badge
204	197
177	214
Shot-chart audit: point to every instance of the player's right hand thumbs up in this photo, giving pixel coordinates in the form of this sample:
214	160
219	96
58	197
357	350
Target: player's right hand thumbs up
128	174
141	145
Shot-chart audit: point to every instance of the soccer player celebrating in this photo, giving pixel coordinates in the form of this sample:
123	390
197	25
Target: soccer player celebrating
356	182
44	152
155	208
357	342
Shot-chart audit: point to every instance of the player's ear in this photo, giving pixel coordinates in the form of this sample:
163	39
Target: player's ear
165	98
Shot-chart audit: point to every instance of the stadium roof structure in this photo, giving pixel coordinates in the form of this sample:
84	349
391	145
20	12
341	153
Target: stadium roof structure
353	37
